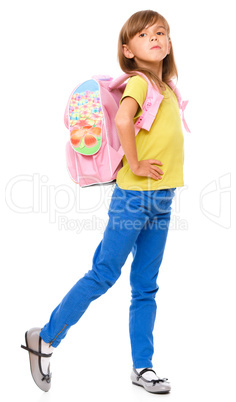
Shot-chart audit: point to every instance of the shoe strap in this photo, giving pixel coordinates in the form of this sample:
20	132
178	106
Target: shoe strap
36	353
144	371
47	378
153	381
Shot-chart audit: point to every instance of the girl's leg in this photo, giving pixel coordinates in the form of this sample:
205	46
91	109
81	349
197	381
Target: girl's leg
120	235
148	253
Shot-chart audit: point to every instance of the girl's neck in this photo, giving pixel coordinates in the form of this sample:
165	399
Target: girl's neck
158	72
156	69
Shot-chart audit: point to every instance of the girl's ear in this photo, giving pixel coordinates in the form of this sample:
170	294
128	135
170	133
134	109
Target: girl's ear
169	46
127	52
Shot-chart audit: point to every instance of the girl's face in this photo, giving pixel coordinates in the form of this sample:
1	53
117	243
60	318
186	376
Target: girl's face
149	47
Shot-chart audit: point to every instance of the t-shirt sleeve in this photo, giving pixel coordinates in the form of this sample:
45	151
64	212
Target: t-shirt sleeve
136	88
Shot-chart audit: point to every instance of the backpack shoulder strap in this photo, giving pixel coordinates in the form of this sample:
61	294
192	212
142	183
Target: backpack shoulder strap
150	105
182	103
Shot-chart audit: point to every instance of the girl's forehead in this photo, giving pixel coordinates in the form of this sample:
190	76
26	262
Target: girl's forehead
156	24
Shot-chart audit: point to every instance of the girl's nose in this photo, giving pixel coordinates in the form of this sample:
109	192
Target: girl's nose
153	38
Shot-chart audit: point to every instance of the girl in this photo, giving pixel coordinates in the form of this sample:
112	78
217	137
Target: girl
140	208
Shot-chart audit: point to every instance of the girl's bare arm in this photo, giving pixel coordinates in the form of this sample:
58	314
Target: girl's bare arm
125	128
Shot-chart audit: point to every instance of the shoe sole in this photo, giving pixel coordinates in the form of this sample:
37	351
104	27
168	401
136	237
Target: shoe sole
151	392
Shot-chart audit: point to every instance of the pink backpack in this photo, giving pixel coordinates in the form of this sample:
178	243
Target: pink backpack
94	154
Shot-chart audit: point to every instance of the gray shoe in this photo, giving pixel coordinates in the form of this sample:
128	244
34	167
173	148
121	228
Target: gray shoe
159	386
33	346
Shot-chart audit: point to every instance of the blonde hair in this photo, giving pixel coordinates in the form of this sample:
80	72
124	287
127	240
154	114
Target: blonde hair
136	23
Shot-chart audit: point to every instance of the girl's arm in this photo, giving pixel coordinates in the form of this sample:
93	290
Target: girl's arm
125	128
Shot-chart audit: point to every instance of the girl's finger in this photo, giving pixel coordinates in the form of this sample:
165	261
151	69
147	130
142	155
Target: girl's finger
157	169
155	175
155	162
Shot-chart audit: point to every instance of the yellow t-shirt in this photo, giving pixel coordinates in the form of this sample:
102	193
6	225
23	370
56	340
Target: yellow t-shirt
164	141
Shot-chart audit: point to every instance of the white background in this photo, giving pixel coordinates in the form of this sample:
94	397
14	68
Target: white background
47	48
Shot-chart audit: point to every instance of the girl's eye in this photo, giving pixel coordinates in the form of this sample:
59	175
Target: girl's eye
160	33
142	35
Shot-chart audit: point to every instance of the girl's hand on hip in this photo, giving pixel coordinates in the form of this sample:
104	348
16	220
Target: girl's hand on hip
148	168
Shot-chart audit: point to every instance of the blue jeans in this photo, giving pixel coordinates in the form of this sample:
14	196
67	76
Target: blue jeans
138	222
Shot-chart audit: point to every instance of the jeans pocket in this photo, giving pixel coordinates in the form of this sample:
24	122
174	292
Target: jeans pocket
166	200
118	201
